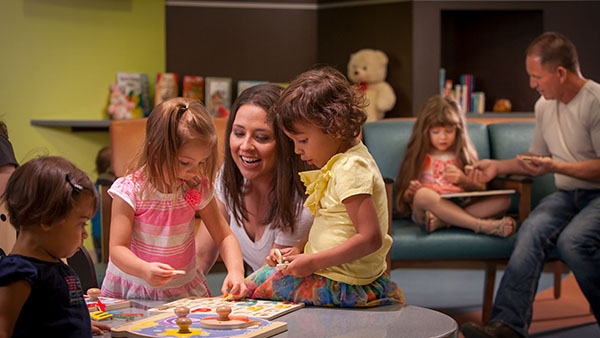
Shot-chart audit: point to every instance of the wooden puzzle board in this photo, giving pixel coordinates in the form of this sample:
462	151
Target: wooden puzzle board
110	304
163	325
264	309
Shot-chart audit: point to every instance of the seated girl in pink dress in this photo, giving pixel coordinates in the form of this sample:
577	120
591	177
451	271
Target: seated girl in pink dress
436	162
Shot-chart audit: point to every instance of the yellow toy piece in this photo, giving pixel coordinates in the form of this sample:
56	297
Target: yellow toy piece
100	315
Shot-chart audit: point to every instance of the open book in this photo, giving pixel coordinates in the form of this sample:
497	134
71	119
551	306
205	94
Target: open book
479	193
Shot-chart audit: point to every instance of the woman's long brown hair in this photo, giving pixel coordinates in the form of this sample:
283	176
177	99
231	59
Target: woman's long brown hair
287	193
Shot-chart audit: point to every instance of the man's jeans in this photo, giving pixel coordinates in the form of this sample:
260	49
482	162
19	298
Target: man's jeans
568	221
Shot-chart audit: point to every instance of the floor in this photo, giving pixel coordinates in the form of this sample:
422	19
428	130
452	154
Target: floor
451	291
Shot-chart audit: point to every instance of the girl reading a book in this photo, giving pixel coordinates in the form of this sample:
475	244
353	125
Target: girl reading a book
438	154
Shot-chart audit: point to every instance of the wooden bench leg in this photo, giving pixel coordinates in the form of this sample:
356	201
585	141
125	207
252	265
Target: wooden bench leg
558	267
488	291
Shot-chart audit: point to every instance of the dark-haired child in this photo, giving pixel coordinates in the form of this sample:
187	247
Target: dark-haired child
344	259
49	200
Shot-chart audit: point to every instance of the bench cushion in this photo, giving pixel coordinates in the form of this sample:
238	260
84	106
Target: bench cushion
411	241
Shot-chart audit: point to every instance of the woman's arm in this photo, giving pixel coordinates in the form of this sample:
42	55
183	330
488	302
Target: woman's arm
228	247
12	299
121	227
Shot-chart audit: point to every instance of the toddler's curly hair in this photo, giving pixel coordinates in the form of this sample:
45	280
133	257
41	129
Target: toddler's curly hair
323	97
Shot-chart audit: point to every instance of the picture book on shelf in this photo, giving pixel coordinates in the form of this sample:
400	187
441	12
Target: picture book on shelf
218	96
135	88
166	87
193	87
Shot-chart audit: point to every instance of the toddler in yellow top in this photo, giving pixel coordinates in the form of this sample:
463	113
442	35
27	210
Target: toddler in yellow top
342	261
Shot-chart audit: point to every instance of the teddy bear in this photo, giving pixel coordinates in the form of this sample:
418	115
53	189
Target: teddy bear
367	68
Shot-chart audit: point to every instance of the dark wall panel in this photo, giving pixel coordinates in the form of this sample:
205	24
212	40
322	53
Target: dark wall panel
387	27
244	44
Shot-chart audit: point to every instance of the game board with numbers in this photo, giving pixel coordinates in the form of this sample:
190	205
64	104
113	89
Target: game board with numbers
263	309
164	325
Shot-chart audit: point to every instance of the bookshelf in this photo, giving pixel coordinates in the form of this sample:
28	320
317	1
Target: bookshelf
490	44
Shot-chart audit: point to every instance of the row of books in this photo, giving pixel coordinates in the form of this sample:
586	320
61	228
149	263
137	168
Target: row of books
463	92
130	96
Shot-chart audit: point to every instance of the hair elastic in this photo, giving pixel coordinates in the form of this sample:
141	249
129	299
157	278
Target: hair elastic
76	187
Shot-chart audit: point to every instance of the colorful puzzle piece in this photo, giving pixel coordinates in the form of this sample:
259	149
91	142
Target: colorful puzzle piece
108	303
100	315
264	309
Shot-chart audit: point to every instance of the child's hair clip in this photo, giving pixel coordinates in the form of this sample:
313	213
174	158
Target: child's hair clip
73	184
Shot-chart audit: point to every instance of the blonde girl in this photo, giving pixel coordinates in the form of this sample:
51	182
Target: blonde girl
49	201
343	261
437	155
152	224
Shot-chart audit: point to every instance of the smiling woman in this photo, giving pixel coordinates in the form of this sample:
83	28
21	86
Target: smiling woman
257	191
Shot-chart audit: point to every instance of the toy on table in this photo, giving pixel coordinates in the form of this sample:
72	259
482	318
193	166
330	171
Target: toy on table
224	321
93	293
182	323
95	302
178	272
281	264
255	308
100	315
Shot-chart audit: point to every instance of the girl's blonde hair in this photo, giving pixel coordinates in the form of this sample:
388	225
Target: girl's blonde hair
438	111
172	123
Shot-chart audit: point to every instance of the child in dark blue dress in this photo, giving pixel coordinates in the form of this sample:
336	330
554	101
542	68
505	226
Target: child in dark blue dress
49	200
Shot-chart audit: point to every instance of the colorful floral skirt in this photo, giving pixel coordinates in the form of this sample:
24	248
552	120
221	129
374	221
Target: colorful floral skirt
269	283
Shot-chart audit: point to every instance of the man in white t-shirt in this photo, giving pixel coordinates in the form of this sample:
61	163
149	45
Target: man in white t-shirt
567	143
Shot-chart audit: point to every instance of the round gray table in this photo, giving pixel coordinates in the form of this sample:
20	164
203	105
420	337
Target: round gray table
385	321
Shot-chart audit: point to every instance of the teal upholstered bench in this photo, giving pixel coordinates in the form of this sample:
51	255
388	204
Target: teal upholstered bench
413	246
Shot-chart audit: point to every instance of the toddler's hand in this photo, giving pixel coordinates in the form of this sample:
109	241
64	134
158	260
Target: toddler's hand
301	265
285	253
235	286
99	328
158	274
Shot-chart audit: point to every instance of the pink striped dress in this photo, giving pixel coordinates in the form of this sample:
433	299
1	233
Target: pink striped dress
163	231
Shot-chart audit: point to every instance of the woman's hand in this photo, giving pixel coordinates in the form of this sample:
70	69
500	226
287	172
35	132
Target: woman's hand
234	285
157	274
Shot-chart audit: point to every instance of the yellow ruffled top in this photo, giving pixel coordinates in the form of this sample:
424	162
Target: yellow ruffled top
316	182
